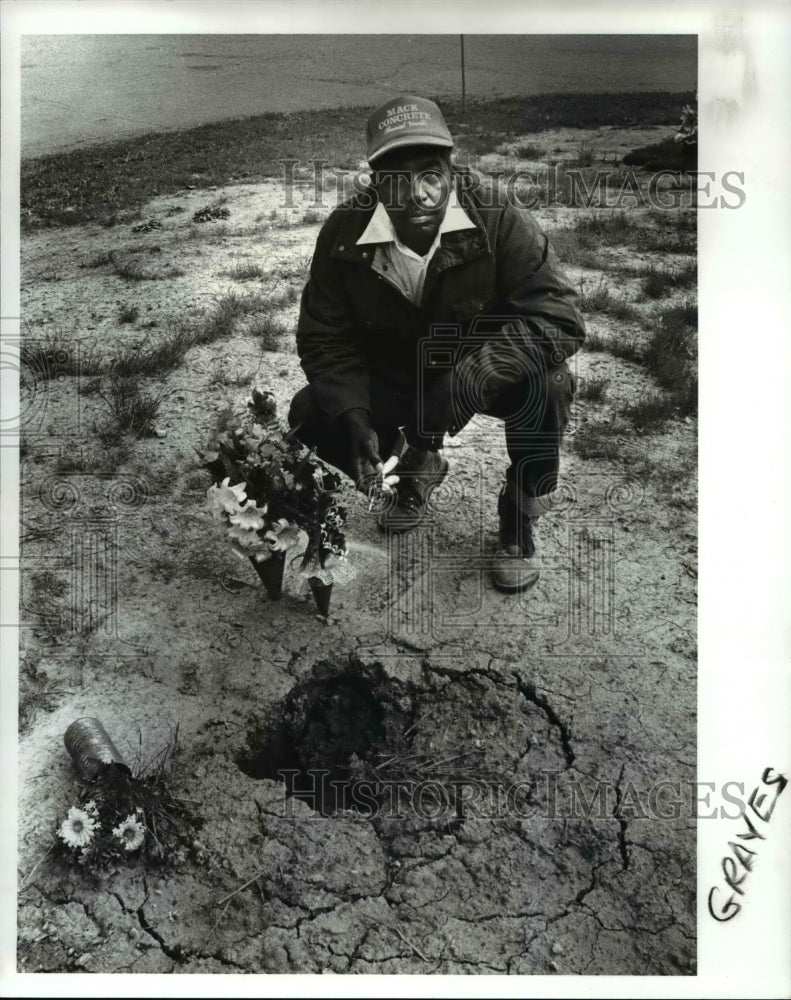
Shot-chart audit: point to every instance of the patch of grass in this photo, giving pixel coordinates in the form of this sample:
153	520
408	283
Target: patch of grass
129	269
593	389
55	354
102	259
621	309
671	355
132	270
223	375
651	412
211	212
665	155
152	359
585	156
629	350
312	216
37	693
128	314
288	296
213	233
131	409
612	227
570	251
269	329
595	440
106	458
101	182
656	284
594	296
221	321
478	143
246	271
595	344
529	151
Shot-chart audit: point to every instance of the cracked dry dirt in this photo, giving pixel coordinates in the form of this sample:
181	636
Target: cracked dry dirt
519	738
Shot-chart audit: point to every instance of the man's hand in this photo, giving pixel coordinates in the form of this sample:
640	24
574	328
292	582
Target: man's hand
363	446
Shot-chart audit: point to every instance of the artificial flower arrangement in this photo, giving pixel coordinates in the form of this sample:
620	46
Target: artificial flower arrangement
118	815
276	497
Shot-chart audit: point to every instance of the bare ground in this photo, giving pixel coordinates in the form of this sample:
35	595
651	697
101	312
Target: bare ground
585	683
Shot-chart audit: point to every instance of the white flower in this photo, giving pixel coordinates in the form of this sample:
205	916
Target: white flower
131	833
250	517
388	481
385	482
245	537
226	499
78	828
283	535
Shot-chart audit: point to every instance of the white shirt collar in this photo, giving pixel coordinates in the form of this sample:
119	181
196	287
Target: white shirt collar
380	228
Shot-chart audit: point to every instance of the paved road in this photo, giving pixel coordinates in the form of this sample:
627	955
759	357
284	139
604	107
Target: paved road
93	88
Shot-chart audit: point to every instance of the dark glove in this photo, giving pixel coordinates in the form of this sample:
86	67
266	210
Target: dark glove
363	446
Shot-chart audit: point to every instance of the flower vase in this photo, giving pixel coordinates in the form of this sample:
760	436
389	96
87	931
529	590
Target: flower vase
91	749
271	572
322	592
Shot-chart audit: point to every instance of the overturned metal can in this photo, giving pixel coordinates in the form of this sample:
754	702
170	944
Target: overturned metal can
91	748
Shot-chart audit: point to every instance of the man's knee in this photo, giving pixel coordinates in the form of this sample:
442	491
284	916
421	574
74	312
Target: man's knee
534	399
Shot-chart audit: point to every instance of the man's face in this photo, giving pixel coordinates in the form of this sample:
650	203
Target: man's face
413	184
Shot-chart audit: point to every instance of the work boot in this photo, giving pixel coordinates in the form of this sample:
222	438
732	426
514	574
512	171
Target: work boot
419	472
513	567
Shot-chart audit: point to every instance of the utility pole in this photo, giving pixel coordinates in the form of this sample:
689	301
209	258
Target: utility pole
463	81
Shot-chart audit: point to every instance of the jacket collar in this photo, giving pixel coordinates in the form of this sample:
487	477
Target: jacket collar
458	245
380	229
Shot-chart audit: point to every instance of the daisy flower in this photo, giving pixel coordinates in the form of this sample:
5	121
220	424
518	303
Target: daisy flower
250	517
78	828
225	499
283	535
131	833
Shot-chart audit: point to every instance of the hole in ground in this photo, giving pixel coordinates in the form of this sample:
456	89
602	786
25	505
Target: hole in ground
317	736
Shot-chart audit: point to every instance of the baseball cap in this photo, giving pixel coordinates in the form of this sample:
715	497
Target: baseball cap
406	120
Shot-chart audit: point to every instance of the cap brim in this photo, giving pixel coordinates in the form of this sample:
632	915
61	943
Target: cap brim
410	140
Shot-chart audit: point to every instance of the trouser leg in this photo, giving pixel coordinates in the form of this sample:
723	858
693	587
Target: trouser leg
536	413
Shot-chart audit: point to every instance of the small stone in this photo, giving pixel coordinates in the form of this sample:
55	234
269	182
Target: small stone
557	948
553	966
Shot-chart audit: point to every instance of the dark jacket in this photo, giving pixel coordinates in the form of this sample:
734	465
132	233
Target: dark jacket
497	287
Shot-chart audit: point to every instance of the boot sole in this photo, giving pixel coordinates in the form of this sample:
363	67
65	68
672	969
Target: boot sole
517	588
